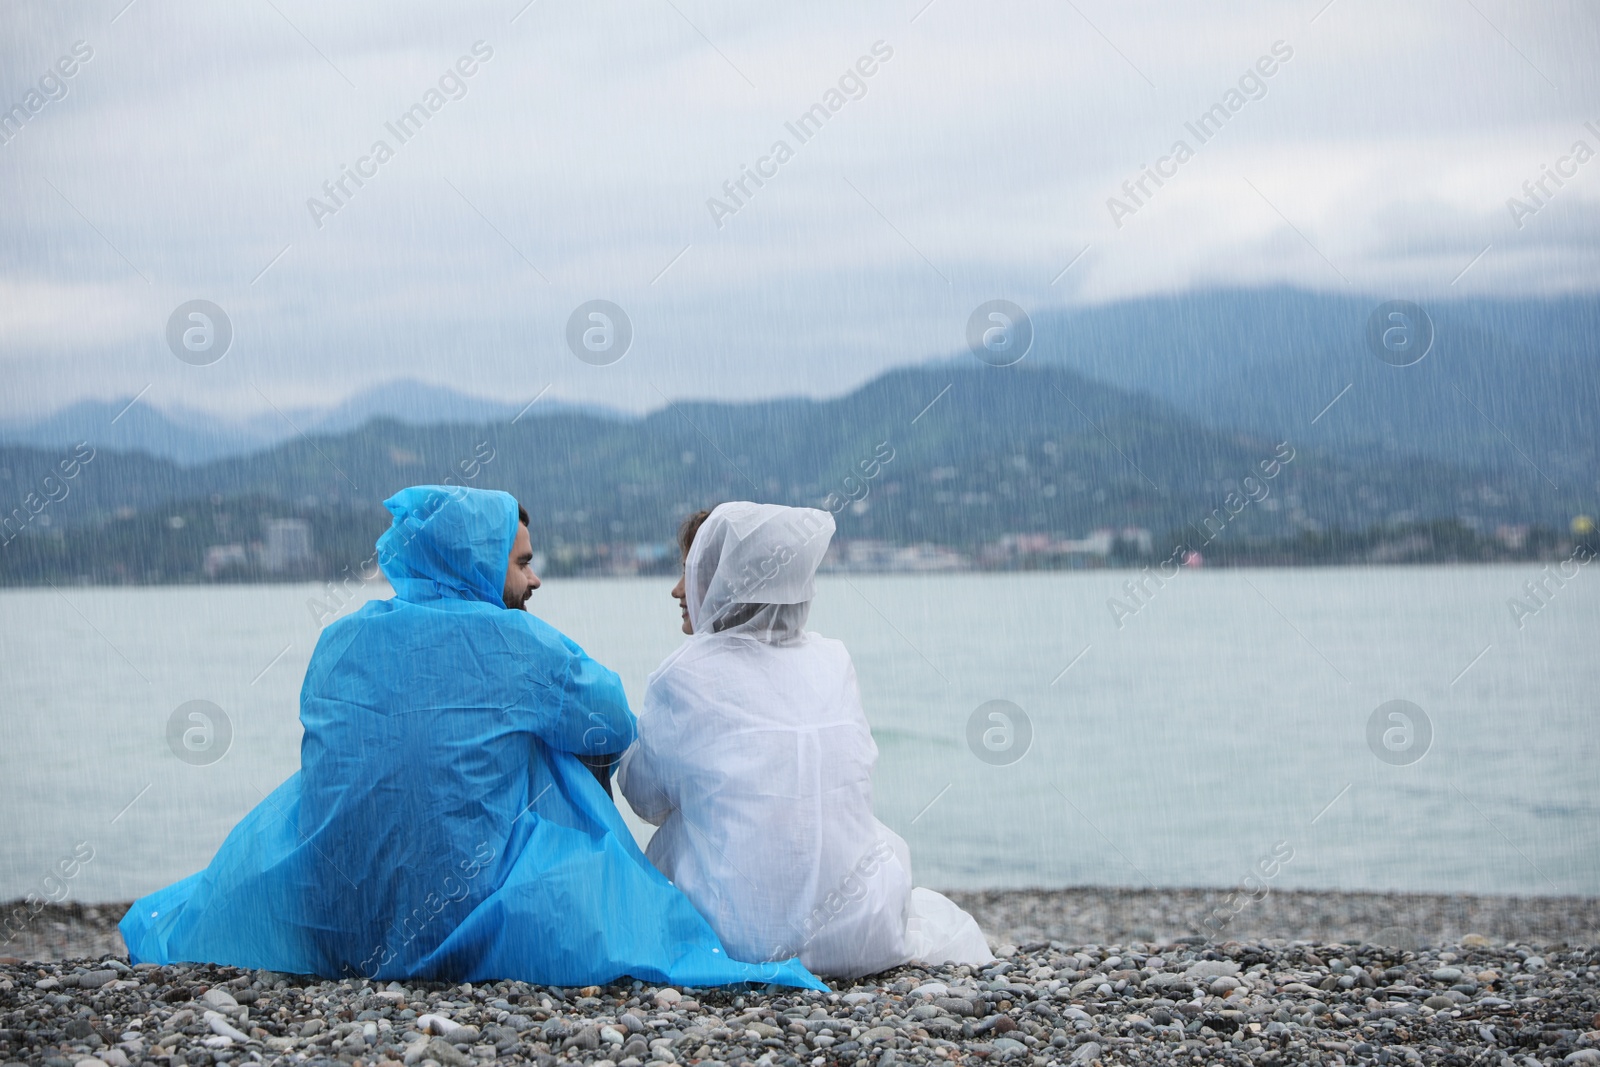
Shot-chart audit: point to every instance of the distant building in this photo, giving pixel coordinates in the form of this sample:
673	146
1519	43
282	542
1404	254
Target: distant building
286	546
617	559
1139	537
655	557
1097	543
220	558
871	556
930	557
1095	549
1512	536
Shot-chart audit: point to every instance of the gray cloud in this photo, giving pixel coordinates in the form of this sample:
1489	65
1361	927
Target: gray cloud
578	164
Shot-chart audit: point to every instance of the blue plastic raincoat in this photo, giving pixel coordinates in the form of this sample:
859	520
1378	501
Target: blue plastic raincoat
441	825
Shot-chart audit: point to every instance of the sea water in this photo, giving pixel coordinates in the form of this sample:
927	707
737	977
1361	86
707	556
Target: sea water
1034	729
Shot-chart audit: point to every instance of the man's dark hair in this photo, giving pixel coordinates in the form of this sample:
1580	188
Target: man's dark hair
522	514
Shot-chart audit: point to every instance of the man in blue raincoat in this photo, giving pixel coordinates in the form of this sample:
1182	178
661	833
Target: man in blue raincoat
443	824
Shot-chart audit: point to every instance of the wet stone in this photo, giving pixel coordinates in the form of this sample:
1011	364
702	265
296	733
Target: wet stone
95	979
1022	1014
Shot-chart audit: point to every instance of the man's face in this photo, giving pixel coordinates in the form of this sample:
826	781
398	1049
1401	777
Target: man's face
520	579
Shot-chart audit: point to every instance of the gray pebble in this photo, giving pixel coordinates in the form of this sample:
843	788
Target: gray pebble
95	979
447	1054
1286	1000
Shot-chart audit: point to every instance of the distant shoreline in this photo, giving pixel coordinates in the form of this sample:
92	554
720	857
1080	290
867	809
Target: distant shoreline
1127	568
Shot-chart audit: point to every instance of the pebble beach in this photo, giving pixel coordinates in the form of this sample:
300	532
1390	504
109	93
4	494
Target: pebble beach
1085	976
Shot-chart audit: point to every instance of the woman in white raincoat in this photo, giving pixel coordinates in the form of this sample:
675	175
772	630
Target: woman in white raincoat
755	761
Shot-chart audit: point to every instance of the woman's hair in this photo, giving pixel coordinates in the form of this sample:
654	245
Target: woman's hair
688	529
522	515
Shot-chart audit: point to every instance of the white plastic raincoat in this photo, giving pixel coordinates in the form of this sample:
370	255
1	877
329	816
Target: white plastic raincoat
755	760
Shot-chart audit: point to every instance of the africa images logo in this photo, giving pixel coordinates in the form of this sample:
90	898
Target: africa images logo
452	85
53	85
1251	86
851	85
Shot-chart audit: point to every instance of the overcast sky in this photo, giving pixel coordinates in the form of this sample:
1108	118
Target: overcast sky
577	160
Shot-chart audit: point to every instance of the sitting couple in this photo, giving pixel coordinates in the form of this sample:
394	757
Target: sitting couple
450	820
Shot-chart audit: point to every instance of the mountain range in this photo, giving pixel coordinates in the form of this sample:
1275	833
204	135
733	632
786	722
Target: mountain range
190	436
1513	384
1149	415
1505	384
955	455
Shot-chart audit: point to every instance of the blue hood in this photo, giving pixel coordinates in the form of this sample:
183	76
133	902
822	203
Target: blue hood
448	542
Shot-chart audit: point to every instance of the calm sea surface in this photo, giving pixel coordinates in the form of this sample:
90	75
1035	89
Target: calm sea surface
1228	717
